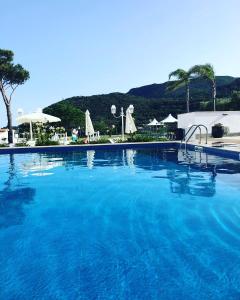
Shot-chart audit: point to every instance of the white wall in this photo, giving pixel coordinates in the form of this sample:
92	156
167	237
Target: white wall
4	137
230	119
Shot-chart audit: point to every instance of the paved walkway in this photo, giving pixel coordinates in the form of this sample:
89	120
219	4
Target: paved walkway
227	142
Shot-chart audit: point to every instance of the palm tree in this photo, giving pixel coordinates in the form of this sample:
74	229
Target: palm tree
207	72
181	77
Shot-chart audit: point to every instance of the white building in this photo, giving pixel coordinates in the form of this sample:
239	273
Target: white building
229	119
4	136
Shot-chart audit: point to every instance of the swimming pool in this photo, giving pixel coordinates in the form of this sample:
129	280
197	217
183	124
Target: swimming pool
119	224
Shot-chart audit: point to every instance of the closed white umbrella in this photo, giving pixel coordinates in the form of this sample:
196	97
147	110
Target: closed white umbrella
35	117
169	119
89	130
130	125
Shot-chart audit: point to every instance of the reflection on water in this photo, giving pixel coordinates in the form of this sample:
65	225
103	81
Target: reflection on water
105	221
190	182
183	163
13	198
12	204
40	164
130	155
90	158
179	166
185	172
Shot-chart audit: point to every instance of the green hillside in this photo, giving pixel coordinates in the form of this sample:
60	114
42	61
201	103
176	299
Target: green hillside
199	88
149	101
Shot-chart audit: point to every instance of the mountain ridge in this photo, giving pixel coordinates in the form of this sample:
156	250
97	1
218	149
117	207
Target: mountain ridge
149	101
159	90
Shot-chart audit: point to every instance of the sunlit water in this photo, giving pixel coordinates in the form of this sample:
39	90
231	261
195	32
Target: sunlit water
126	224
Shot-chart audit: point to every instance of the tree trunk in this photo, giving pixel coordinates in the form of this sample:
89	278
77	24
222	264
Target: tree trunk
9	114
187	96
214	91
10	129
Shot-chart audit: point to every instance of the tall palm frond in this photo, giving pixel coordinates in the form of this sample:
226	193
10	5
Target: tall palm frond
181	78
206	72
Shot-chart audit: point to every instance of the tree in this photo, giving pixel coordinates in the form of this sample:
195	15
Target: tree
71	117
11	76
181	77
206	72
235	100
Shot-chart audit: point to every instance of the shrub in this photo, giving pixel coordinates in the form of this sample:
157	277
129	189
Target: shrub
78	142
81	141
46	143
235	100
162	139
145	138
141	138
23	144
100	141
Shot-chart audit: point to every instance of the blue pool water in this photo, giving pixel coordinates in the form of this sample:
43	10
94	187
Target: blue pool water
125	224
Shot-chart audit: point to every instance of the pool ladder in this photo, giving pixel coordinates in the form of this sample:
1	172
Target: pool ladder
191	132
198	157
197	149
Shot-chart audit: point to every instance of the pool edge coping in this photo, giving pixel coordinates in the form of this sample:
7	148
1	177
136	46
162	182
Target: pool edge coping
191	146
12	150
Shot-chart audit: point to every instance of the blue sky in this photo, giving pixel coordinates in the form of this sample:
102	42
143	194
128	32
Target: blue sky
90	47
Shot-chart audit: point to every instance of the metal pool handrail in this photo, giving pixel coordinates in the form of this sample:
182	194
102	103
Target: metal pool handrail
194	130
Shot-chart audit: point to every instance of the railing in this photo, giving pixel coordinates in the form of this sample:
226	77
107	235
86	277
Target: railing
186	138
197	156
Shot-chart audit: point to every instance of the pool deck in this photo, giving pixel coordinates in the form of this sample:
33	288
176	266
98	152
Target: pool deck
227	151
226	146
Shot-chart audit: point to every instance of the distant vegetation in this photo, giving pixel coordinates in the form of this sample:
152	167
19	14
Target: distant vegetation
11	76
206	72
195	89
71	115
184	78
149	101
